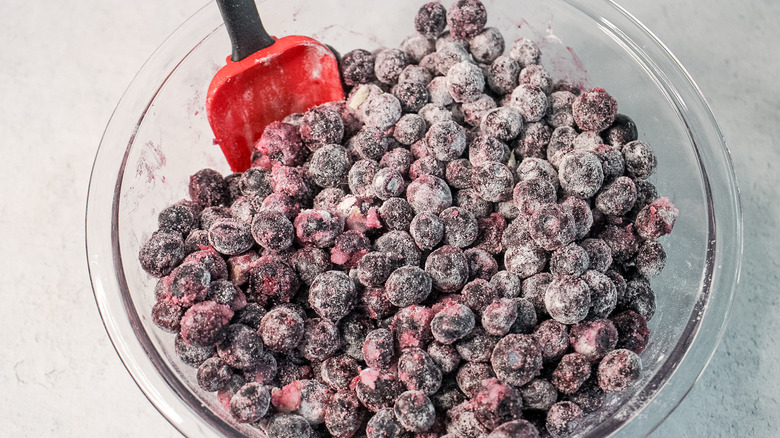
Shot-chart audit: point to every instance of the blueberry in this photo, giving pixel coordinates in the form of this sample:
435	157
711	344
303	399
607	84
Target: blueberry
497	403
599	254
196	240
530	102
533	141
563	419
502	75
389	64
525	51
561	143
272	230
166	315
250	403
439	93
415	411
431	19
477	346
475	111
572	260
507	285
332	294
214	374
460	227
656	219
250	316
466	18
320	339
411	95
515	429
412	326
465	82
282	144
309	262
205	323
288	426
339	371
487	45
470	376
455	321
255	182
471	201
552	337
446	357
322	125
191	354
211	215
458	173
632	330
567	299
318	227
482	265
408	285
525	259
499	316
590	398
618	197
650	259
350	247
418	371
181	217
161	253
531	194
231	237
560	109
377	390
484	149
539	394
208	188
618	370
378	350
384	424
503	123
242	347
491	229
354	328
551	227
448	268
446	140
410	129
594	110
344	414
282	329
427	165
622	131
189	284
272	279
388	183
399	247
373	269
357	67
581	174
399	159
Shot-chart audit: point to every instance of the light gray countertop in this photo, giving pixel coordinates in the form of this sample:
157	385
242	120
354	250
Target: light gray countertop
63	67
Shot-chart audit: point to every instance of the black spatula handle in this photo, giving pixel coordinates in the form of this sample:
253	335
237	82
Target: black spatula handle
243	24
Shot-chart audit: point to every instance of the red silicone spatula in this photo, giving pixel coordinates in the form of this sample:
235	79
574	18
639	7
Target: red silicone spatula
265	79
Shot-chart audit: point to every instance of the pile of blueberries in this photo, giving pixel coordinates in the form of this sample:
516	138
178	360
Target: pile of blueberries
462	248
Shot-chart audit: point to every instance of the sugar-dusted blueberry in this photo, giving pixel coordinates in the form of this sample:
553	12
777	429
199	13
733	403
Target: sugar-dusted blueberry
446	140
487	45
214	374
431	19
242	347
588	140
272	230
272	279
460	227
161	253
593	339
484	149
502	75
415	411
499	316
477	346
525	51
309	262
211	260
534	288
399	247
539	394
623	241
466	19
281	143
167	315
640	159
475	110
412	326
551	227
318	227
572	371
357	67
453	322
389	64
503	123
618	197
530	194
478	294
208	188
418	371
590	398
369	143
446	357
650	259
515	429
632	330
196	240
429	194
231	237
533	141
492	181
622	131
439	93
408	285
507	284
433	113
250	403
250	316
189	284
292	181
448	268
618	370
639	297
458	173
281	203
567	299
205	323
526	319
331	295
525	260
181	217
329	165
537	168
594	110
373	269
656	219
561	143
192	354
360	179
563	419
322	125
599	254
581	174
572	260
384	424
427	165
465	82
375	304
377	390
427	230
282	329
344	416
517	359
530	102
470	376
497	403
320	339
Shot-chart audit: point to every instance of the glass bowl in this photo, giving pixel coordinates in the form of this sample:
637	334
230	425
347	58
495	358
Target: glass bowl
159	135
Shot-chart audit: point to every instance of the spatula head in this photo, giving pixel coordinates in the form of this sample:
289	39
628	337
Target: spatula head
294	74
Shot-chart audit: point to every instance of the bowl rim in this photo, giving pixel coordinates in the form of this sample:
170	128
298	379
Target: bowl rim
106	275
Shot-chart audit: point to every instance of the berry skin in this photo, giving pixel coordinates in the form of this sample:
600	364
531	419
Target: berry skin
466	19
618	370
552	338
525	259
354	328
167	315
599	254
482	265
320	339
411	95
622	131
208	188
369	143
412	326
594	110
530	194
618	197
409	129
181	217
499	316
516	359
448	268
189	284
471	375
536	76
460	227
414	410
205	323
503	123
322	125
272	230
603	294
161	253
231	237
478	294
214	374
399	159
382	111
350	247
465	82
250	403
331	295
484	149
534	289
418	371
242	348
567	299
563	419
491	229
360	179
357	67
282	329
191	354
427	165
427	230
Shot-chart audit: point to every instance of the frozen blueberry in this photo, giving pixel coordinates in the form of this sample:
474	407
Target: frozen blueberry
375	304
656	219
603	293
322	125
618	370
567	299
458	173
446	357
399	247
507	284
350	247
214	374
533	141
282	329
415	411
593	339
525	259
189	284
525	51
344	415
446	140
354	328
309	262
563	419
484	149
399	159
487	45
536	76
161	253
288	426
427	165
205	323
482	264
408	285
466	19
502	75
537	168
460	227
638	297
470	200
272	279
590	398
581	174
242	347
618	197
357	67
382	111
192	354
499	316
195	241
410	129
427	230
632	330
412	95
418	371
530	102
292	181
378	350
250	403
384	424
231	236
491	228
377	390
477	346
331	295
531	194
622	131
622	241
166	315
369	143
465	82
571	260
478	294
438	91
360	179
412	326
250	316
389	64
599	254
474	111
560	109
320	339
318	227
594	110
208	188
388	183
515	429
281	143
429	194
650	259
497	403
492	181
572	371
181	217
552	338
272	230
516	359
329	165
373	269
561	143
455	321
281	203
431	19
539	394
588	140
470	376
502	123
433	114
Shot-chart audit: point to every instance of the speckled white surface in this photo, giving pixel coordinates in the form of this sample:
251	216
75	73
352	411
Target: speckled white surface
63	67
